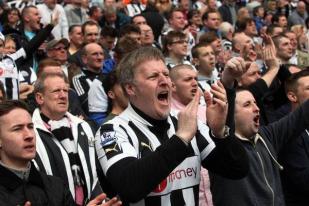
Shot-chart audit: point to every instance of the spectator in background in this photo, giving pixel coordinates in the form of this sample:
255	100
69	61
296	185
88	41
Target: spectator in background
298	16
284	48
147	38
97	95
76	38
177	22
295	157
280	20
117	100
228	11
75	13
211	22
108	36
58	51
95	13
242	14
49	8
258	16
112	17
273	30
92	56
11	21
195	22
204	60
90	32
132	31
175	47
227	31
138	19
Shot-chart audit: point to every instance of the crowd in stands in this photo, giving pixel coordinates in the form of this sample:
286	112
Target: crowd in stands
154	102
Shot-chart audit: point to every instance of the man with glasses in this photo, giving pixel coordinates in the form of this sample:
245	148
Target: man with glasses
58	51
175	47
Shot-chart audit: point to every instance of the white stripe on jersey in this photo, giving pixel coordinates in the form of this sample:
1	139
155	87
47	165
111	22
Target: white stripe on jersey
77	85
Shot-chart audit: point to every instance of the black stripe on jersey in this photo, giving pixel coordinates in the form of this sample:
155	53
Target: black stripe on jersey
129	138
144	145
9	88
196	190
201	141
200	86
84	144
175	122
153	201
177	198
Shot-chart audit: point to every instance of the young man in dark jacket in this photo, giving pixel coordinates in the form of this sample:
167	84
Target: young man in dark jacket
20	182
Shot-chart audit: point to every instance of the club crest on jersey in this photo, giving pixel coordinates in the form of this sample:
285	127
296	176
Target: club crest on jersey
108	138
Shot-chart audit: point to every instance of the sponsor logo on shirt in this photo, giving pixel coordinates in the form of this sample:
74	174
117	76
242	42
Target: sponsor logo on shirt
185	175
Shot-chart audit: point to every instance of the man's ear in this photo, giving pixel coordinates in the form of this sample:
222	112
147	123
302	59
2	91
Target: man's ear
195	61
84	59
111	94
292	97
130	89
39	98
173	87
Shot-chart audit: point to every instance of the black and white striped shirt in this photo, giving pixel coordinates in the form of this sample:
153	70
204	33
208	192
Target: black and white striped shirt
9	74
150	165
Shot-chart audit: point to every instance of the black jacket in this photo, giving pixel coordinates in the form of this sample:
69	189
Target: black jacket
262	186
40	189
295	176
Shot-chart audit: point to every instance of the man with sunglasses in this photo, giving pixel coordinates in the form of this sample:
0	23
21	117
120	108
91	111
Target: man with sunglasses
58	51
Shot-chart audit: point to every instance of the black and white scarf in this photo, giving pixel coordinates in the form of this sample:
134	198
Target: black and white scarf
61	129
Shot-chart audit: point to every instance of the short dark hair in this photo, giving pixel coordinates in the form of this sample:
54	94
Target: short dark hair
92	10
271	28
129	28
25	11
108	83
192	12
44	63
195	49
277	39
242	24
8	105
209	37
168	39
206	14
291	83
256	9
108	31
171	13
89	23
72	27
125	45
276	18
137	15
